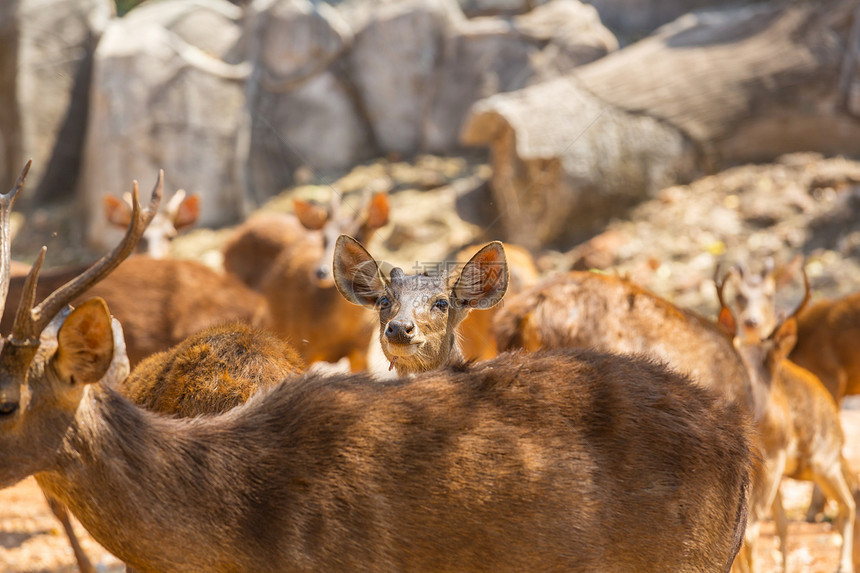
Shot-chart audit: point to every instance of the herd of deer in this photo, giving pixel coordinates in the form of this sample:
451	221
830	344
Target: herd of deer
172	412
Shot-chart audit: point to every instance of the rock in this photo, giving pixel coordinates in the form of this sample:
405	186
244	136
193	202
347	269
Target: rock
634	19
486	56
565	162
299	111
159	101
50	57
394	61
707	91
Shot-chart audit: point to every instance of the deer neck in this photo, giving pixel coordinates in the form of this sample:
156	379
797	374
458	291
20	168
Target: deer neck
130	476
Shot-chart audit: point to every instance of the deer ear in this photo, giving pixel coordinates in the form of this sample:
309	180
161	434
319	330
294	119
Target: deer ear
85	343
726	321
117	211
377	212
187	213
784	339
356	273
311	215
483	281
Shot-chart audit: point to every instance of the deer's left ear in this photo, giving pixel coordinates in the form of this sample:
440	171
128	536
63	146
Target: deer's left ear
85	343
484	280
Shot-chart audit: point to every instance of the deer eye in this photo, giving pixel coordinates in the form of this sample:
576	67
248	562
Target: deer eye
441	304
383	302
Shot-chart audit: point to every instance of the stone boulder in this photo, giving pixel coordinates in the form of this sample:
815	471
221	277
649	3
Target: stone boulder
167	93
394	63
709	90
300	109
47	48
486	56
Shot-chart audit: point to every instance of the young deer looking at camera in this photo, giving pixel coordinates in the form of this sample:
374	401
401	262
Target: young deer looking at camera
525	462
419	314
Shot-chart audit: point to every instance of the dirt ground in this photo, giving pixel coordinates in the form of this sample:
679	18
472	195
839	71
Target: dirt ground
31	539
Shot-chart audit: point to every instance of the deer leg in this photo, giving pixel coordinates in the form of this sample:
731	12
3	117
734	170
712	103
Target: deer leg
816	505
832	482
63	515
781	522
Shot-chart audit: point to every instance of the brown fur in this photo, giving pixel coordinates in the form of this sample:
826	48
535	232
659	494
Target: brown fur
316	319
476	338
211	371
827	336
612	314
159	302
293	270
520	463
255	244
801	438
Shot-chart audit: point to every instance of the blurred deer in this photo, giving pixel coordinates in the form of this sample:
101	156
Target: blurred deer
160	302
827	332
582	309
419	314
801	433
180	213
303	305
475	333
342	473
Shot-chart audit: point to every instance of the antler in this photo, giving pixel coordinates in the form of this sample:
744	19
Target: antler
726	318
29	321
6	203
807	293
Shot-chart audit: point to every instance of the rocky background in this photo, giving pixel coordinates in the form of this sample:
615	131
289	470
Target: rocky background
654	138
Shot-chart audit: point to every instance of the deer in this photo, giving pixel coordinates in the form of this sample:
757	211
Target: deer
303	305
802	435
475	333
179	214
521	462
825	331
419	314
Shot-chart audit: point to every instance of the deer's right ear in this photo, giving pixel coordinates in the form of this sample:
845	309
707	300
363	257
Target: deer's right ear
117	211
310	215
356	273
85	343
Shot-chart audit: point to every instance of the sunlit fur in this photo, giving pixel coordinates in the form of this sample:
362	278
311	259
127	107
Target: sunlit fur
211	371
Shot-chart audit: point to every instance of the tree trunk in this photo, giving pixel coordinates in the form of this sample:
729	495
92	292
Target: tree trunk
706	91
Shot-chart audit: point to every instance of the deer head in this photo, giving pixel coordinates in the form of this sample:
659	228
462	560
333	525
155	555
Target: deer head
762	350
52	353
335	220
419	314
180	213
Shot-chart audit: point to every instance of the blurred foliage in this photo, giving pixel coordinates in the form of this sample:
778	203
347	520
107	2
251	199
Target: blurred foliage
123	6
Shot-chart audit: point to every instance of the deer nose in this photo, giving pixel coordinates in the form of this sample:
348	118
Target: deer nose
400	332
7	408
751	322
323	272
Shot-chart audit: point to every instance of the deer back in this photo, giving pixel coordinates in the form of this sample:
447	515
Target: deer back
612	314
826	344
255	244
211	371
547	452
